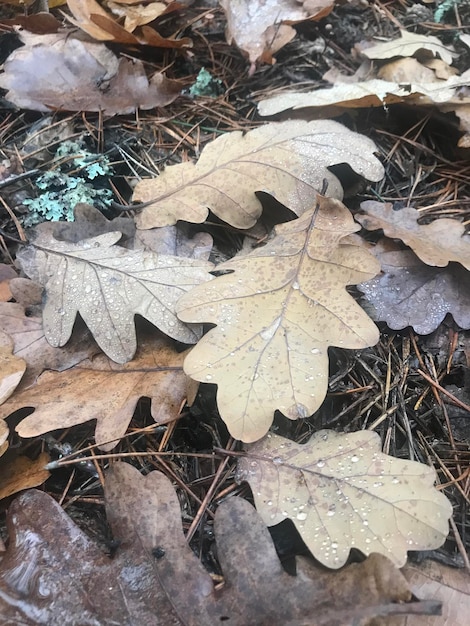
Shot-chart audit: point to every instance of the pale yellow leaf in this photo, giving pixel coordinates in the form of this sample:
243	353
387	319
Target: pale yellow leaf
108	285
288	160
342	492
408	45
276	315
438	243
139	14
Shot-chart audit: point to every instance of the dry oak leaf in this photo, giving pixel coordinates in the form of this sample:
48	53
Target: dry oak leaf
408	45
342	492
287	160
436	244
147	581
59	72
103	390
262	27
276	316
108	285
410	293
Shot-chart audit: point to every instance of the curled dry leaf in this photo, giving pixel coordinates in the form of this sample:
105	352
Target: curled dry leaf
276	315
410	293
108	285
437	244
342	492
408	45
288	160
155	578
58	72
260	28
102	390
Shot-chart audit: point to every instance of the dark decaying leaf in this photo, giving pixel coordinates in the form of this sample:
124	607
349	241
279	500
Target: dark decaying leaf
53	575
410	293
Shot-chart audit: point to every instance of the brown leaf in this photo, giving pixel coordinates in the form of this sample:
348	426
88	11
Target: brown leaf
108	285
22	473
6	274
12	368
154	578
102	390
262	28
342	492
288	160
408	45
31	345
276	316
436	244
449	585
59	72
410	293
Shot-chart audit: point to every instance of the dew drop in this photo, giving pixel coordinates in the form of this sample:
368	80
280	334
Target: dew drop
315	351
354	459
208	376
278	460
269	502
321	463
301	516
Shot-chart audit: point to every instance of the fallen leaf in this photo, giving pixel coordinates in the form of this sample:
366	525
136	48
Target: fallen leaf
12	368
99	24
276	316
139	14
22	473
108	285
410	293
59	72
260	28
147	581
6	274
288	160
449	585
89	222
102	390
436	244
30	343
342	492
409	45
4	432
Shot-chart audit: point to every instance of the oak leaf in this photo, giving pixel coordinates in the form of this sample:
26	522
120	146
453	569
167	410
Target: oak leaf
100	389
22	473
408	45
147	581
276	316
342	492
12	367
287	160
60	72
260	28
437	244
108	285
410	293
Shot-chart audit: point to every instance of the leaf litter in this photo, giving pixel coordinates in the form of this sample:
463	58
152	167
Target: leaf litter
147	580
364	406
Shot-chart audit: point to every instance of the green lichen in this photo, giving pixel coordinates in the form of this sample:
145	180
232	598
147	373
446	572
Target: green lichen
206	85
60	189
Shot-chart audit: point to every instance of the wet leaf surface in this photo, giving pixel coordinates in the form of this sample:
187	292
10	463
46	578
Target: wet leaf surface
53	574
108	285
342	492
276	315
410	293
288	160
12	367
